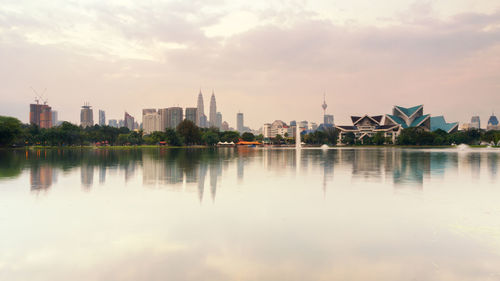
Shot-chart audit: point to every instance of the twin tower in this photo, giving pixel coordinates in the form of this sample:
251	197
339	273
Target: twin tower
214	119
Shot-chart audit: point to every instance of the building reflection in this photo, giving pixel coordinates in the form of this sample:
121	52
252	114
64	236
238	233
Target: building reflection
204	170
42	177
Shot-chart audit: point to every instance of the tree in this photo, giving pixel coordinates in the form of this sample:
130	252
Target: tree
189	132
210	138
349	138
173	137
278	138
10	130
230	136
378	138
248	136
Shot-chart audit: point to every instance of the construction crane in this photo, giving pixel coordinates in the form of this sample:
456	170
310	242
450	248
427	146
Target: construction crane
39	97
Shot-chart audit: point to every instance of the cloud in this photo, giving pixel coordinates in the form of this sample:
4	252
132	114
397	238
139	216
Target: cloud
161	51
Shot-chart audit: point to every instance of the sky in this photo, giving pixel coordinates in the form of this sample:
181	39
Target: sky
268	59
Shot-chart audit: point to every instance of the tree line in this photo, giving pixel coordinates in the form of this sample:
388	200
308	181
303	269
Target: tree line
14	133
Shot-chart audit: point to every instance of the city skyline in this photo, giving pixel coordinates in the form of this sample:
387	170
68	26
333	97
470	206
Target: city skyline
271	64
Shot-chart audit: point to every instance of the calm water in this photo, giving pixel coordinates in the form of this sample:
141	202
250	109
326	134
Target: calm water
250	214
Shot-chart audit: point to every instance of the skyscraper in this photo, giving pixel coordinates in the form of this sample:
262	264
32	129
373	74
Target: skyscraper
113	123
128	121
174	117
163	112
201	110
41	115
213	111
475	122
328	119
218	120
150	121
191	114
239	122
46	117
55	119
102	118
493	123
86	116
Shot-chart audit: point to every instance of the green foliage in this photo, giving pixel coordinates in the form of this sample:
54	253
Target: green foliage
229	136
189	132
173	138
349	138
248	136
378	138
210	138
10	130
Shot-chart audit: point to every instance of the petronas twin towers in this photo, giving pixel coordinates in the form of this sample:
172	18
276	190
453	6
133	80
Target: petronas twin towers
201	118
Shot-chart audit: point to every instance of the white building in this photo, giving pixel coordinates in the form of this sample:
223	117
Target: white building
150	121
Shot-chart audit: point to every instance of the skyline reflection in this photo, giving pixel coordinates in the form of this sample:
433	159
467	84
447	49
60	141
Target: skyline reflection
176	169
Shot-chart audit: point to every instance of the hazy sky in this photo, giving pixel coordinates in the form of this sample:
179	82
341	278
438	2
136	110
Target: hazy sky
268	59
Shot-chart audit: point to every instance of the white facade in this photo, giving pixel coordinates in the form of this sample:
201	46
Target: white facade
151	122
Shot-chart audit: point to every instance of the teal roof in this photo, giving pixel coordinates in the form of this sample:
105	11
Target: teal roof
398	120
409	111
419	120
439	122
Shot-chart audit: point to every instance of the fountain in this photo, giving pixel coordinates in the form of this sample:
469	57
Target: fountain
298	141
462	147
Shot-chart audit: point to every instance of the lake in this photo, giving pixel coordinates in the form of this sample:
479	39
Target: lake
250	214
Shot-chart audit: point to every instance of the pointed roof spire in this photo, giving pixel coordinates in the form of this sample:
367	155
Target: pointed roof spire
213	94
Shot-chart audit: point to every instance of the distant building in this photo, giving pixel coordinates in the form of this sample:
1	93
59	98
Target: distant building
150	121
86	116
174	117
191	113
203	121
313	126
121	123
225	126
129	121
102	118
200	111
113	123
278	127
213	111
293	123
303	124
55	119
415	117
475	122
239	122
328	119
218	120
163	112
368	126
493	123
41	115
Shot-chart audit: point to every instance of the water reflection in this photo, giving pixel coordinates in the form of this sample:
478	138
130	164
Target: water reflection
192	169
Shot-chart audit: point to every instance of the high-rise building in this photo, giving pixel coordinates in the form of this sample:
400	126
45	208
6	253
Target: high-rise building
475	123
174	117
128	121
201	110
102	118
218	120
239	122
113	123
55	119
191	114
150	121
493	123
328	119
86	116
303	124
163	112
213	111
225	126
41	115
46	117
203	121
121	123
